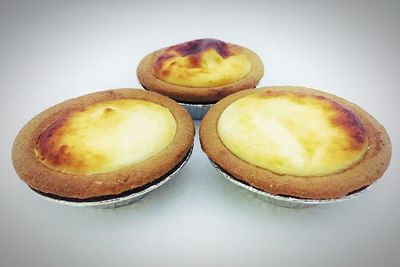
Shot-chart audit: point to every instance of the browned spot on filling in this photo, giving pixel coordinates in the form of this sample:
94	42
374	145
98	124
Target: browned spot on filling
45	141
195	61
48	144
193	50
160	61
342	117
61	156
198	46
52	150
347	120
108	112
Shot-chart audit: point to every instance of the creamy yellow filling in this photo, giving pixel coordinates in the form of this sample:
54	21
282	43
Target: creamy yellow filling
291	135
206	69
107	136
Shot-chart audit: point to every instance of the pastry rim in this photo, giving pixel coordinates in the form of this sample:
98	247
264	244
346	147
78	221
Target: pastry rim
149	81
337	185
44	179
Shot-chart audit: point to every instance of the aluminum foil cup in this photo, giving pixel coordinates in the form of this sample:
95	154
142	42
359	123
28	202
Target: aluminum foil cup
285	201
196	111
119	200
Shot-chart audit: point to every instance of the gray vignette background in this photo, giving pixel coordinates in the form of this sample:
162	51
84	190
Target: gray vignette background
54	50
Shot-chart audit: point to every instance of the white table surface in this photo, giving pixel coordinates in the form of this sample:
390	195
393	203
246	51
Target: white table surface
56	50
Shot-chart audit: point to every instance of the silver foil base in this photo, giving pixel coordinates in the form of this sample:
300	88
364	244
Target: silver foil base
284	201
120	200
196	111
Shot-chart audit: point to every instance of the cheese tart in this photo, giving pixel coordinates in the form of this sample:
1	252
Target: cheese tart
200	71
296	142
102	144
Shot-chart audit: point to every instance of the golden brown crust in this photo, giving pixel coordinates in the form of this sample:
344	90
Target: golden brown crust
46	180
337	185
146	76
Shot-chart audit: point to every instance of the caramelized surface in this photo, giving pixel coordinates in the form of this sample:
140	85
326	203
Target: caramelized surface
202	63
291	133
106	136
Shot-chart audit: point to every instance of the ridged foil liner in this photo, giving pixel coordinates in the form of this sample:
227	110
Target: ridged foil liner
119	200
285	201
196	111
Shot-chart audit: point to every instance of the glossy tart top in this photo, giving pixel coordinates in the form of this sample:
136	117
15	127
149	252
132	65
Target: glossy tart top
296	141
293	133
103	144
202	63
198	71
106	136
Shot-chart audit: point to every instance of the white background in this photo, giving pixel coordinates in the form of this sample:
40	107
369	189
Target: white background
53	51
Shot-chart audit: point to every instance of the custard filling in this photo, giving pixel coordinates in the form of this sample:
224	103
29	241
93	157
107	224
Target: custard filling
202	63
106	136
294	134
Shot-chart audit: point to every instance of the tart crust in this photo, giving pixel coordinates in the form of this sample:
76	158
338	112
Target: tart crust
148	79
337	185
44	179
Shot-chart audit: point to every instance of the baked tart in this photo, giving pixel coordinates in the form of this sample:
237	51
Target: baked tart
103	145
295	142
200	72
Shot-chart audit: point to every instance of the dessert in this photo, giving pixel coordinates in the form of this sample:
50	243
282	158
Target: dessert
201	71
296	142
102	144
